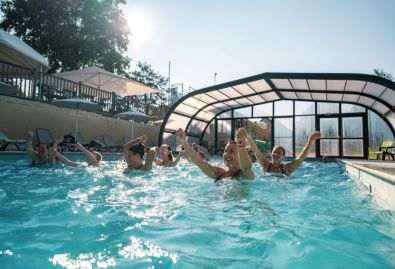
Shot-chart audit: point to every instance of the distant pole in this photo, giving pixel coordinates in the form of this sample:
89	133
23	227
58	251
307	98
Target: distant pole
169	86
215	76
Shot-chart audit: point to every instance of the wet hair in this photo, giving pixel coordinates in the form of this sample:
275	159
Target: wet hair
231	141
282	149
138	149
170	156
97	155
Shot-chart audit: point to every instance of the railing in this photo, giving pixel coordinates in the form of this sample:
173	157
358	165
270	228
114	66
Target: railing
38	86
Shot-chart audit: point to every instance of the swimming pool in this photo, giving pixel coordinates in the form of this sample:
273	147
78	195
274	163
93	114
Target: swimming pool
101	217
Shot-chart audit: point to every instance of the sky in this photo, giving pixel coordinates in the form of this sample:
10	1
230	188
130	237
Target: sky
237	39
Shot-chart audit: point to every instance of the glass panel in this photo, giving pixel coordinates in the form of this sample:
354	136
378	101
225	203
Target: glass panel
305	127
259	85
350	108
379	130
224	131
170	139
230	92
244	112
196	127
263	110
192	139
353	147
176	121
317	84
327	108
329	147
185	109
352	127
304	108
209	137
283	134
329	128
283	108
244	89
227	114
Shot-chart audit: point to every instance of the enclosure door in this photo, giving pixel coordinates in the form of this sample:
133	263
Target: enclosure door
353	129
329	144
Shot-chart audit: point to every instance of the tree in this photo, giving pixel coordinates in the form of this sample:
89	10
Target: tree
150	104
71	33
381	73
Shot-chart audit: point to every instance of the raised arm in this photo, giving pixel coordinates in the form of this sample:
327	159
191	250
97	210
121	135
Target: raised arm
258	154
130	144
178	158
52	157
207	168
292	166
29	145
150	159
90	158
244	156
62	158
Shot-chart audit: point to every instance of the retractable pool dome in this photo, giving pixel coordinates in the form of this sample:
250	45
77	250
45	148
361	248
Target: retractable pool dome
196	110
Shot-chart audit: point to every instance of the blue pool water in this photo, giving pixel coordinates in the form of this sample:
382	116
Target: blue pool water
101	217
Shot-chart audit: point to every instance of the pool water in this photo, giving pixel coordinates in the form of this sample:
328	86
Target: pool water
102	217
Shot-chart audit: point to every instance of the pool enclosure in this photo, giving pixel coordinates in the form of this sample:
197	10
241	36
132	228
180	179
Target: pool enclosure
354	112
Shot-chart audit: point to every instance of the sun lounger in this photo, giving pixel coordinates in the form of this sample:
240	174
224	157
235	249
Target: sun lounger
5	142
382	152
110	145
127	139
7	89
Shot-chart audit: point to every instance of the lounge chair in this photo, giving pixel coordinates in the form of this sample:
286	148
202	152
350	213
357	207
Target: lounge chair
109	143
93	145
5	142
127	139
7	89
382	152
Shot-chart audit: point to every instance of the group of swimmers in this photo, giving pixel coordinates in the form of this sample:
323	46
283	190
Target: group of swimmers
236	156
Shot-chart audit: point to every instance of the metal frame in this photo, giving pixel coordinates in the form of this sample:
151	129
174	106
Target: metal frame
267	78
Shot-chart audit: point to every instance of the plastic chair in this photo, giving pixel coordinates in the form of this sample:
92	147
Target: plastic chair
127	139
109	143
383	150
5	142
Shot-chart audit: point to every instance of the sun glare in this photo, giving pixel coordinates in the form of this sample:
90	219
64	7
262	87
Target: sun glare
140	25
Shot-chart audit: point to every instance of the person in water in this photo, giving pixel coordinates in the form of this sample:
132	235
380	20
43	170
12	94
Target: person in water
278	154
93	158
134	154
203	152
236	159
43	154
166	157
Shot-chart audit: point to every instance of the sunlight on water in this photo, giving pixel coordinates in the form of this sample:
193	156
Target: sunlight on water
104	217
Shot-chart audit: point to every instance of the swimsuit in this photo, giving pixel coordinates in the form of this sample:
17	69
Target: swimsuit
130	167
282	169
226	174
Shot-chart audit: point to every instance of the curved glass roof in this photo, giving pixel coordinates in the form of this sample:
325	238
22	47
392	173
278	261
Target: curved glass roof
195	111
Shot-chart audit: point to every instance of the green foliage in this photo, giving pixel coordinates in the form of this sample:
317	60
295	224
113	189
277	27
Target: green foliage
151	104
381	73
71	34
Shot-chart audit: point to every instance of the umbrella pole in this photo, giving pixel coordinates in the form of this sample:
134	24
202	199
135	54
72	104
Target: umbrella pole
76	126
132	129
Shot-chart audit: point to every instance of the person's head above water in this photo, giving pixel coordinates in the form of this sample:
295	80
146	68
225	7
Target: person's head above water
231	157
98	156
43	151
165	152
136	155
278	154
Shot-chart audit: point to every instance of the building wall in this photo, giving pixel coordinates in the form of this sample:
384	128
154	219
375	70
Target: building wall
17	116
